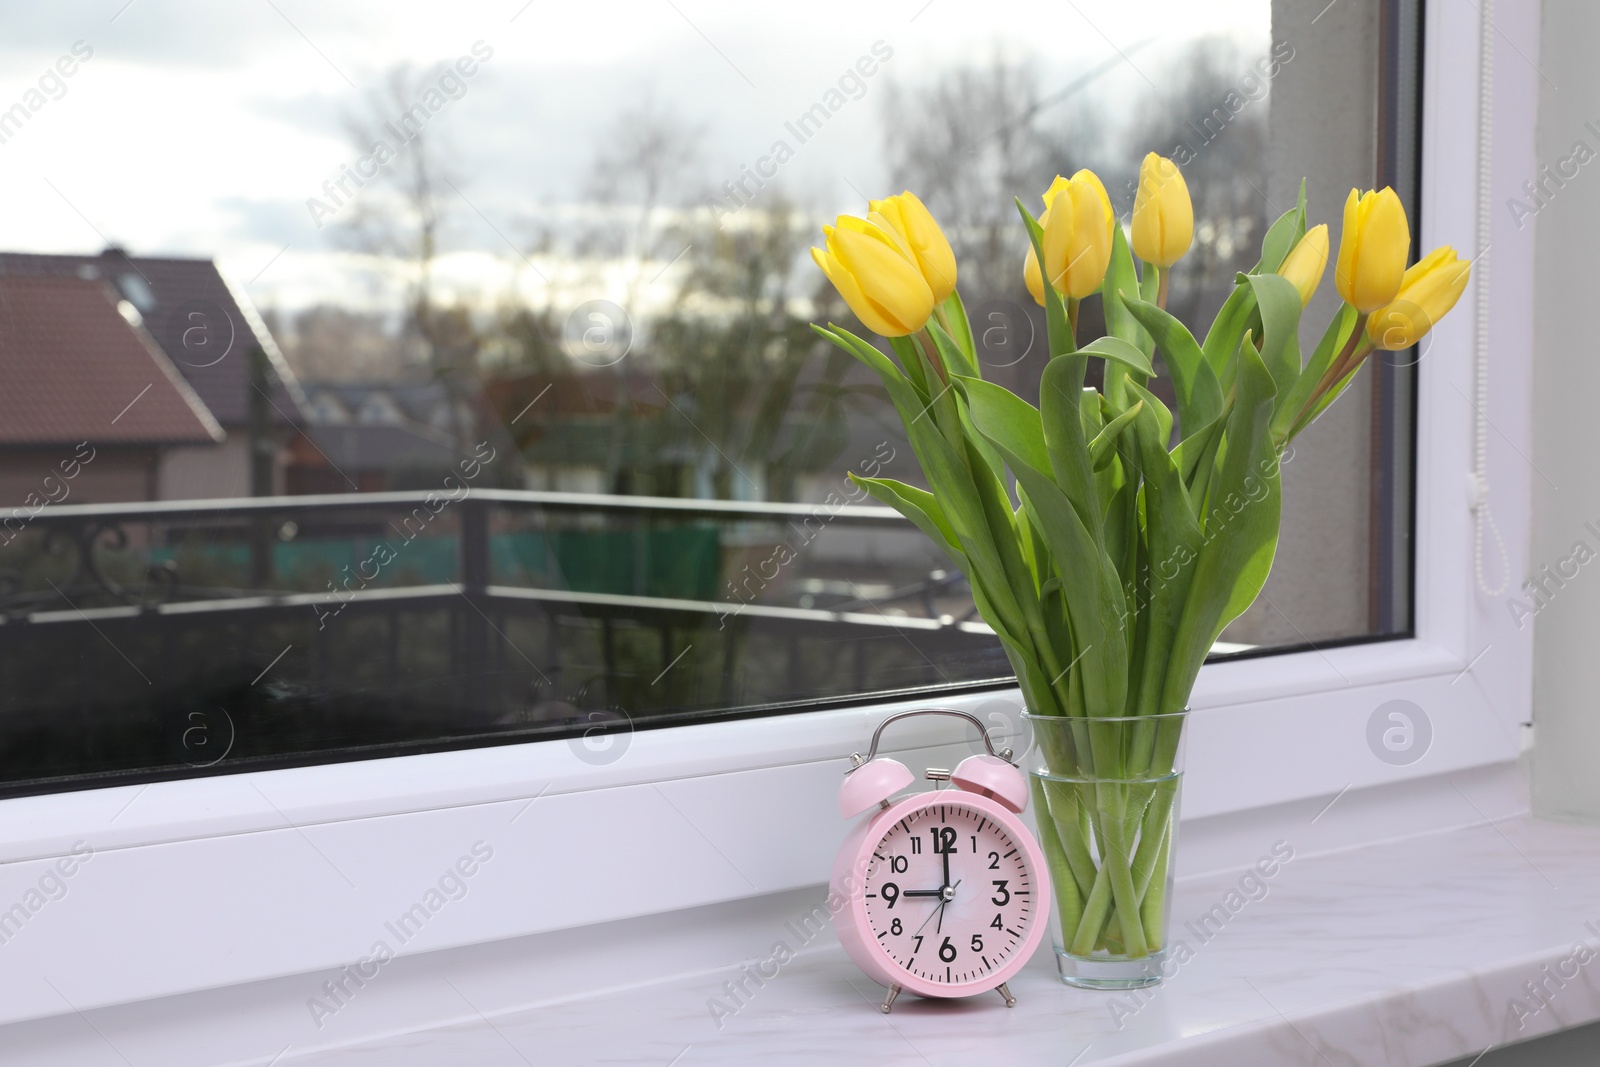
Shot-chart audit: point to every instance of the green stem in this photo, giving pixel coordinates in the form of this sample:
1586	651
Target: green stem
1153	909
1113	802
1063	878
1063	811
1096	909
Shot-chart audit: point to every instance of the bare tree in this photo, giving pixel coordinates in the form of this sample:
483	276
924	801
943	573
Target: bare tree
1211	118
741	361
971	140
643	167
401	213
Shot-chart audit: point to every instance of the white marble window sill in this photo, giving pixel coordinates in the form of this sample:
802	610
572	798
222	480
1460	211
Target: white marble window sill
1421	949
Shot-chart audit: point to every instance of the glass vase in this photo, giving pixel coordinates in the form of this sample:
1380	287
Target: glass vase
1105	793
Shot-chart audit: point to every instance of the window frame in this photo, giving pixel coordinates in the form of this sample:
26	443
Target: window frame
741	808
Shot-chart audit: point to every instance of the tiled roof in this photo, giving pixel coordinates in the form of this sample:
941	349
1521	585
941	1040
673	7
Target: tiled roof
73	369
206	326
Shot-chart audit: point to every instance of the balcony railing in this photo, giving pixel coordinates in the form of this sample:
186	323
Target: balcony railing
168	639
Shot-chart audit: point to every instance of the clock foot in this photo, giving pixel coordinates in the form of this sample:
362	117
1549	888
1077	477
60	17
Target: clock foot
888	1002
1005	994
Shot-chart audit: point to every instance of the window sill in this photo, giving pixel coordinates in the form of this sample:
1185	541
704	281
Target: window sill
1403	931
1411	952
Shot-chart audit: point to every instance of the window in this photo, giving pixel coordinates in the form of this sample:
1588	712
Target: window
481	406
337	319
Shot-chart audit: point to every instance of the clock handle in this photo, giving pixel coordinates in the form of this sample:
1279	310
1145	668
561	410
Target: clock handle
857	760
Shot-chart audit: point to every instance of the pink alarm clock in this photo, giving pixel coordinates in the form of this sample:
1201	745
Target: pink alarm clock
946	892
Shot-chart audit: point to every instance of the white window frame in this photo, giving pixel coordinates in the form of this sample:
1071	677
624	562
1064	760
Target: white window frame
315	857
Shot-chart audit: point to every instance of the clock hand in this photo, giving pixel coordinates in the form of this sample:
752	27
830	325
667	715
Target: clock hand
921	892
936	911
946	868
949	896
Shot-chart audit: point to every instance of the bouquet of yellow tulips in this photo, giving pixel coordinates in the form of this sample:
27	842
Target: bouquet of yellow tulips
1108	539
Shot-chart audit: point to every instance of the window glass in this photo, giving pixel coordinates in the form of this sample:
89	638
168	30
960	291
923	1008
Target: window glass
386	378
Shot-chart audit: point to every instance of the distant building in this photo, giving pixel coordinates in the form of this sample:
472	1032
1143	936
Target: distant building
378	436
91	408
221	350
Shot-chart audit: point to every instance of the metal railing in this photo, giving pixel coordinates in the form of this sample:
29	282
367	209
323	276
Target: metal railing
496	616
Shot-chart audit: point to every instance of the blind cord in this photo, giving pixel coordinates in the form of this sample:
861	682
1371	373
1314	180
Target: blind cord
1483	516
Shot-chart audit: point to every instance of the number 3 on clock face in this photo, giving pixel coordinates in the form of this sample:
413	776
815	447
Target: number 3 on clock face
961	934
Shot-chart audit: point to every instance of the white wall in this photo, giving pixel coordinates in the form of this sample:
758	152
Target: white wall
206	472
1566	397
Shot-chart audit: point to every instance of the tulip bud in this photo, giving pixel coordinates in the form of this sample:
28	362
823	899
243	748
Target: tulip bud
1031	276
1304	266
873	270
1077	235
1372	249
1427	293
909	219
1163	216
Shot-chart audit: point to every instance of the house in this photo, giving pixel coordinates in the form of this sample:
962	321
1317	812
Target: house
211	334
91	407
377	436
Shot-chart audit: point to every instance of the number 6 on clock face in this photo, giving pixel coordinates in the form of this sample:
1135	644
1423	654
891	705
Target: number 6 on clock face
943	893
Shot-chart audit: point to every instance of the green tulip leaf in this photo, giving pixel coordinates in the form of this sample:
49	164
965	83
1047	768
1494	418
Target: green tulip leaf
953	481
1237	314
911	363
1060	406
918	505
1103	448
1121	277
1289	407
1279	304
1119	351
1199	393
956	360
1055	312
1282	236
955	312
1089	581
1241	528
1172	539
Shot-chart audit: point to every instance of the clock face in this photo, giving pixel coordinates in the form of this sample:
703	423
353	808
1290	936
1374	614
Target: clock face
949	894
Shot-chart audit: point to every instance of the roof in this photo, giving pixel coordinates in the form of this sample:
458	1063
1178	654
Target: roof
419	403
73	369
204	324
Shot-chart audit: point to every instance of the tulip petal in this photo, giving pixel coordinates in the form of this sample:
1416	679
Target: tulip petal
1032	278
888	280
1305	265
854	298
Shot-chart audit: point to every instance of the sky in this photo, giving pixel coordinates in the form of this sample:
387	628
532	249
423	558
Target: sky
203	129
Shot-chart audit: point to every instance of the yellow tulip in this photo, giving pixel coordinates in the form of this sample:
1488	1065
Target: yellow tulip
910	220
1373	249
1163	216
1427	293
874	271
1304	266
1077	223
1030	273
